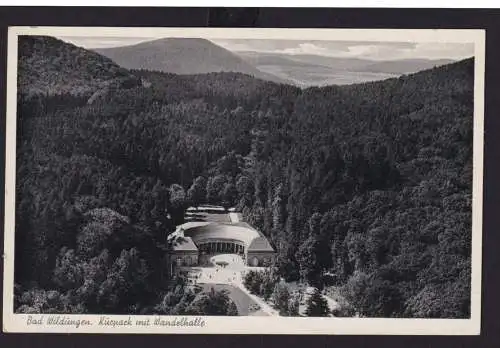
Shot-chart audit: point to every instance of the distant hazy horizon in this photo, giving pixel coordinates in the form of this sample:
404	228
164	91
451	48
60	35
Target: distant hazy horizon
368	50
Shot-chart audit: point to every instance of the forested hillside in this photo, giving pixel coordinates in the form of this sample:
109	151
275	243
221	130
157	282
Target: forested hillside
48	66
363	187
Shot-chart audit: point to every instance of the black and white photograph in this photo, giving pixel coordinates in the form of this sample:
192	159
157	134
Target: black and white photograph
284	176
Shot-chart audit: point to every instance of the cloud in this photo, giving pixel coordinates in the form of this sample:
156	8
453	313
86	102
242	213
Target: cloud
307	48
354	49
443	50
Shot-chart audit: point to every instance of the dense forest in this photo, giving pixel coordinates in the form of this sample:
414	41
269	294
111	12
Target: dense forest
366	188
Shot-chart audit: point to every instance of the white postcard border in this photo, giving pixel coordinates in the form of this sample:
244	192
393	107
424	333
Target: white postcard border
253	325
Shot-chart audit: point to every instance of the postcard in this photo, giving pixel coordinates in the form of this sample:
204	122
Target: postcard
244	181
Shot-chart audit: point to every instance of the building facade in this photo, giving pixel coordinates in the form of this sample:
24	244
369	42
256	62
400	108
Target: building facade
193	244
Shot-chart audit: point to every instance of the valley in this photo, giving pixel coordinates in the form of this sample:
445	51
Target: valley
362	188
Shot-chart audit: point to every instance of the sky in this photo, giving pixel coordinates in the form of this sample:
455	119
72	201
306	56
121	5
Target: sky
341	49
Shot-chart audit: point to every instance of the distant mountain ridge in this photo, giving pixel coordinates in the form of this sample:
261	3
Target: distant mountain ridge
183	56
315	70
400	66
406	66
49	66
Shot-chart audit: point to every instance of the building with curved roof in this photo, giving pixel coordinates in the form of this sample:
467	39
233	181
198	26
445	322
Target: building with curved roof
240	233
196	242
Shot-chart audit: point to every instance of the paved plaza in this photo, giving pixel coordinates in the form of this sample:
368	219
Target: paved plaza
222	241
226	271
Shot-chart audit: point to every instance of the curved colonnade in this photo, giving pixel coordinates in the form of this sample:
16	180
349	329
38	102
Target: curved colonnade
208	240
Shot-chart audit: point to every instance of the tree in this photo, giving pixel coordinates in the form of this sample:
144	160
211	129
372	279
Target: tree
249	281
286	262
372	295
92	239
253	281
310	269
344	309
245	186
376	245
255	215
281	297
314	225
178	202
355	288
232	310
314	255
181	299
229	195
278	211
126	283
267	287
41	301
197	193
317	306
95	272
293	305
215	187
68	273
228	165
357	254
212	303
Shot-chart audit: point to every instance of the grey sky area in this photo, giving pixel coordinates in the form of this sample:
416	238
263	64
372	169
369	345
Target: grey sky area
342	49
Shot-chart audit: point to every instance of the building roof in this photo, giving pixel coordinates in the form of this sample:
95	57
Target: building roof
244	224
189	235
188	225
219	231
184	244
260	244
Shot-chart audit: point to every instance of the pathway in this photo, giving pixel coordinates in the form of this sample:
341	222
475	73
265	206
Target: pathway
243	302
229	277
